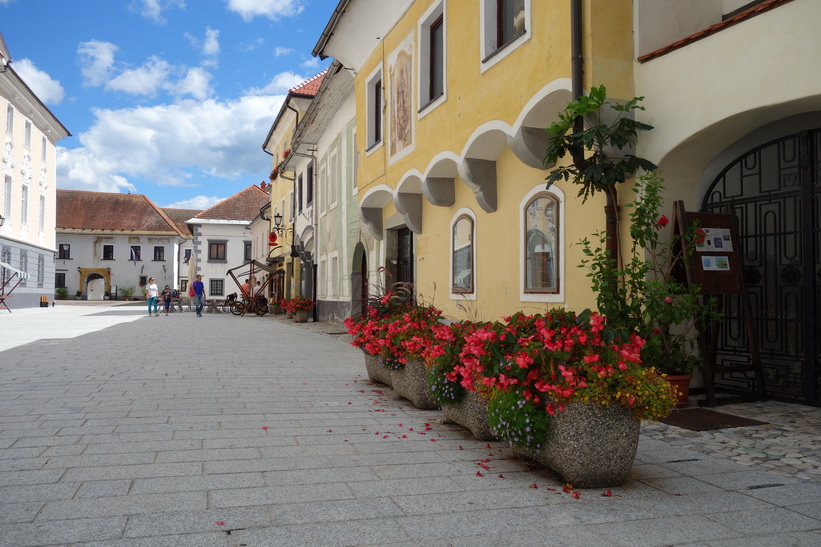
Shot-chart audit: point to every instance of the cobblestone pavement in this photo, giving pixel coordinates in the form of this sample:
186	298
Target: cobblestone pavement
225	431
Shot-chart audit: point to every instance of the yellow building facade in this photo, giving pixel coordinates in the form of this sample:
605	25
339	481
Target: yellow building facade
452	98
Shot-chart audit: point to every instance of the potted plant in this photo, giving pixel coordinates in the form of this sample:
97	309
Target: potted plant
459	405
647	294
62	293
566	390
301	308
127	292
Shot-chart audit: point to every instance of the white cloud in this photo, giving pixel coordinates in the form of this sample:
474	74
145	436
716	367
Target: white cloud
153	9
272	9
282	51
195	83
281	83
197	202
173	144
312	62
96	61
144	80
211	46
44	86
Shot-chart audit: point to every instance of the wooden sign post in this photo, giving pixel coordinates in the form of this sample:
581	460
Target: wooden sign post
716	267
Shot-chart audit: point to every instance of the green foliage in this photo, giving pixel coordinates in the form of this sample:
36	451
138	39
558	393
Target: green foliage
646	296
591	167
516	420
61	292
127	292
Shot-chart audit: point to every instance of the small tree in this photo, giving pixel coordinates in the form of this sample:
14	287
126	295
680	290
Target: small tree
595	167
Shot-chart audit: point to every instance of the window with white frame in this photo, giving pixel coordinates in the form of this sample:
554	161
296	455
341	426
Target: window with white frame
462	255
24	203
27	135
541	267
322	187
504	22
42	212
323	287
43	148
7	187
108	252
432	55
309	185
64	251
10	119
354	164
299	191
333	180
333	272
375	105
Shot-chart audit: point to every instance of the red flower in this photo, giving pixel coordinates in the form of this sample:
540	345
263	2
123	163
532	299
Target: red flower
662	221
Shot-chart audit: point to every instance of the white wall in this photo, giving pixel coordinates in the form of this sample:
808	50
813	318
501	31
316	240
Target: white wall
235	234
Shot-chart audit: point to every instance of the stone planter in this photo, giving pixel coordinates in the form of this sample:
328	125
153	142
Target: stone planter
289	315
301	316
376	371
590	446
471	412
410	383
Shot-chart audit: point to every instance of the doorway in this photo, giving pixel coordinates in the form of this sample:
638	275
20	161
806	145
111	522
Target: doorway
775	191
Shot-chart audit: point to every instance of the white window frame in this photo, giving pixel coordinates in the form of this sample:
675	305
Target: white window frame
333	180
24	204
458	295
426	103
524	296
371	144
354	165
44	151
323	287
42	214
10	118
490	55
8	192
27	134
322	187
333	274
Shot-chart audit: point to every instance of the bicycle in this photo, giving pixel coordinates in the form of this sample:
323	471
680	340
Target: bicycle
258	305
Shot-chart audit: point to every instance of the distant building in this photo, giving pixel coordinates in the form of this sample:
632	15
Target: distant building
108	242
223	239
27	189
180	218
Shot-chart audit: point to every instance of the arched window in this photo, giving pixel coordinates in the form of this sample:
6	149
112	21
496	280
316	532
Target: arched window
462	256
541	269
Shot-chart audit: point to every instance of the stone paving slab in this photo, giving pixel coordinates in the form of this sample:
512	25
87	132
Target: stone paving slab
256	431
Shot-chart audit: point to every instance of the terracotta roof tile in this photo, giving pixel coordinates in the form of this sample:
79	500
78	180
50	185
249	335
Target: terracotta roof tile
712	29
310	86
243	206
180	218
82	210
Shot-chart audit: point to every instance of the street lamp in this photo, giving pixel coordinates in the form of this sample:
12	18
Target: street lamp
2	220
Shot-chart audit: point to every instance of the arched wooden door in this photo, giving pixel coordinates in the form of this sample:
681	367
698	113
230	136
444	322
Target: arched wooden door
775	190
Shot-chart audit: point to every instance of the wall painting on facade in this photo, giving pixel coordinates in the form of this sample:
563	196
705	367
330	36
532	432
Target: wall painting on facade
400	74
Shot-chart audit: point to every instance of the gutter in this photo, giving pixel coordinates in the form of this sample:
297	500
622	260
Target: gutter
576	56
329	30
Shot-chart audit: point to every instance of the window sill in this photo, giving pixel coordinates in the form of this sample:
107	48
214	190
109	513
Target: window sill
503	47
430	102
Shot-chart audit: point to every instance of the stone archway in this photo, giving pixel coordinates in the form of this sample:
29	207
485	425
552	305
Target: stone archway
98	278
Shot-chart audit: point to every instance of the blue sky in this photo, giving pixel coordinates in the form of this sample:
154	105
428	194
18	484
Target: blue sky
168	98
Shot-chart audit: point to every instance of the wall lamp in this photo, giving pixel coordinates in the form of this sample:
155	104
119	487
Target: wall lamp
2	220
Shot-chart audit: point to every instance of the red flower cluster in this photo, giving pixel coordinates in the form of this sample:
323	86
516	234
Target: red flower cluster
296	304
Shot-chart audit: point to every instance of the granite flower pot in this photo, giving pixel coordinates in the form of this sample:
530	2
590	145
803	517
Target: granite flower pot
301	316
376	370
471	412
410	382
590	446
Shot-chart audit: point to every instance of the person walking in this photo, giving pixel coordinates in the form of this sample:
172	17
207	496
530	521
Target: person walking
199	294
151	294
166	299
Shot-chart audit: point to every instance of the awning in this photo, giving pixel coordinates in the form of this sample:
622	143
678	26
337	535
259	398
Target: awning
20	273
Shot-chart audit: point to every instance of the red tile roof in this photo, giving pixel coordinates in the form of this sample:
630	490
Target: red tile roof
180	218
243	206
310	86
712	29
82	210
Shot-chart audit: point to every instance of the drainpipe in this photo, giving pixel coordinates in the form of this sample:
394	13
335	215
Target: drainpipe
577	76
